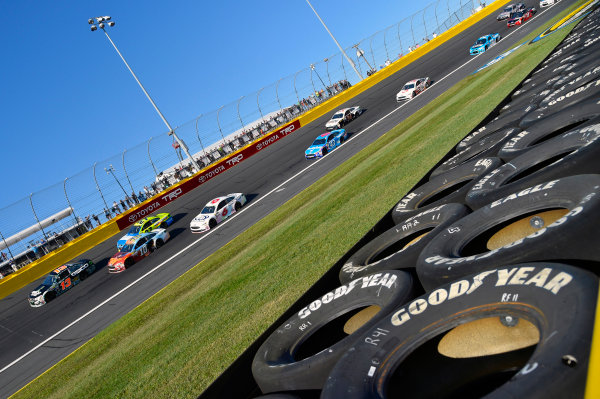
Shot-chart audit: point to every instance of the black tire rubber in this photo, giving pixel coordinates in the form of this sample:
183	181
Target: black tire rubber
443	189
159	243
415	352
83	275
128	263
554	221
237	206
324	151
510	118
569	118
572	153
400	246
577	80
163	225
212	223
488	146
49	296
302	351
590	90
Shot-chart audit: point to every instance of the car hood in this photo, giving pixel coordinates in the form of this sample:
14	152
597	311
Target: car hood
313	149
504	14
201	219
119	257
39	291
477	46
405	92
333	122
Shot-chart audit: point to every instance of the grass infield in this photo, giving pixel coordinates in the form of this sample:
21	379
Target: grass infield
181	339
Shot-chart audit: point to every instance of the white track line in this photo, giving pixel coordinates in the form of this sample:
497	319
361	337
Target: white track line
213	230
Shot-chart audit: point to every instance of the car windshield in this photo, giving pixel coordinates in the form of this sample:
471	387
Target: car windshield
517	14
49	280
480	41
319	141
208	209
73	267
409	86
127	248
337	116
508	9
135	230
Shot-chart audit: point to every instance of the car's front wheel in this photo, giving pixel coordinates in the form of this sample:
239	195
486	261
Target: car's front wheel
159	243
50	296
237	206
212	224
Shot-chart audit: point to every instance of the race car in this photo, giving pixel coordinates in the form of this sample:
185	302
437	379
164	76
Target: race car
412	88
343	116
146	225
518	18
61	279
484	42
137	248
326	142
217	210
547	3
509	9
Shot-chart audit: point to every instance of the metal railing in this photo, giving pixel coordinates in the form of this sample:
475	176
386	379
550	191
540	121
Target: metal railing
112	185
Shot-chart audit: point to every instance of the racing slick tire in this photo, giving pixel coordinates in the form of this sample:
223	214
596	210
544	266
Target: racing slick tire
237	206
520	331
569	118
446	188
49	296
591	90
302	351
510	118
83	275
400	246
556	220
212	223
159	243
488	146
163	225
128	263
574	152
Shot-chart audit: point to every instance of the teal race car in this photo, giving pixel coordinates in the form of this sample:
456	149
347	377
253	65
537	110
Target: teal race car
146	225
484	42
326	142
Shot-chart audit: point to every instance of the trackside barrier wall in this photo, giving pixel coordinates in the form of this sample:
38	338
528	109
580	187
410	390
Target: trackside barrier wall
237	380
39	268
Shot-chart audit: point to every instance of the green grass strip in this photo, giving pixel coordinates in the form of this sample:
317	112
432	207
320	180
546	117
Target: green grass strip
180	340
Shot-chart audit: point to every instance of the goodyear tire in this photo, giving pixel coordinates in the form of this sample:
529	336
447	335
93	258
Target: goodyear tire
567	119
520	331
573	82
302	351
128	263
400	246
488	146
510	118
443	189
590	90
557	220
49	296
212	223
163	225
159	243
237	206
83	275
572	153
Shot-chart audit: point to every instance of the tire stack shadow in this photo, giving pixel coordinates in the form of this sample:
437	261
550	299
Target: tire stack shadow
481	281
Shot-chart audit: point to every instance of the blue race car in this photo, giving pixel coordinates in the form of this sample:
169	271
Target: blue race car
485	42
325	143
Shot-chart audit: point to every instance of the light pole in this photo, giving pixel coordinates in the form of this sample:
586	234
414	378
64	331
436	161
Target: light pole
101	24
361	53
312	66
336	42
111	171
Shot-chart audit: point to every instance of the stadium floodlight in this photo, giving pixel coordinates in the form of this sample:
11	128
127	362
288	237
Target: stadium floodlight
171	131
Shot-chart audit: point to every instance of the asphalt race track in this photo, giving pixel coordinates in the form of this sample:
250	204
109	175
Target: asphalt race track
34	339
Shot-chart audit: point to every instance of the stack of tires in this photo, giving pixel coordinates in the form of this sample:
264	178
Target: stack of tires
486	283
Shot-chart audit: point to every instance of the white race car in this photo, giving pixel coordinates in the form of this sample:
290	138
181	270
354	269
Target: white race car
217	210
343	116
547	3
412	88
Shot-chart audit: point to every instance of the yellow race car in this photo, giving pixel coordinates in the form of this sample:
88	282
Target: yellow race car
146	225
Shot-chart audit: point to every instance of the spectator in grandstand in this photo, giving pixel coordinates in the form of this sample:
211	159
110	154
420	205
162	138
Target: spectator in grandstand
141	196
115	208
123	205
106	214
97	219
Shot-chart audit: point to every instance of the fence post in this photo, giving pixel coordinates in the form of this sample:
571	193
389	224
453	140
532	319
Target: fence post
198	134
258	104
344	69
437	22
238	111
277	93
327	69
69	202
36	216
312	82
425	24
412	30
98	186
7	247
219	124
387	54
372	53
399	39
125	169
295	89
149	157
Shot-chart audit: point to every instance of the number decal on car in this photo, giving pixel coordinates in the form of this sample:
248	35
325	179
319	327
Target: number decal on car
65	283
224	213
